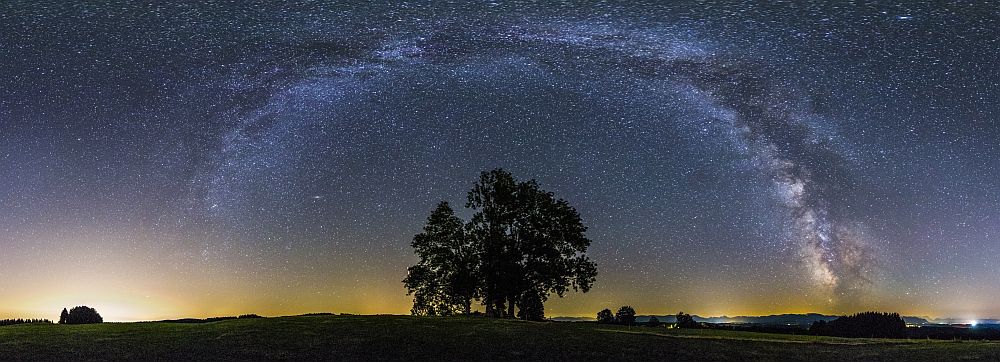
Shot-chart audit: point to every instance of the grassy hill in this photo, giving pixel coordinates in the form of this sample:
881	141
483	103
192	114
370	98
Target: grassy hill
412	338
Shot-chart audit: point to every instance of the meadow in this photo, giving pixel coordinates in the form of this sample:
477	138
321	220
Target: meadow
445	338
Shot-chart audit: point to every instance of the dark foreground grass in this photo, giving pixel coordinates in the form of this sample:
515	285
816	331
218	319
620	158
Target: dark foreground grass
414	338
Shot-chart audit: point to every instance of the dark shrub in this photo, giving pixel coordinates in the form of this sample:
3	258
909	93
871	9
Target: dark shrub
653	322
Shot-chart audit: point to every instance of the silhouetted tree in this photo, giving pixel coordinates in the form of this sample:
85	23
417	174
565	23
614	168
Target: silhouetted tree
625	316
653	322
685	320
605	317
83	315
529	243
520	246
63	315
444	281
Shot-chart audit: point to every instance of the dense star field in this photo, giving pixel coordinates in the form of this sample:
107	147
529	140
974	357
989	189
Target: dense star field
174	160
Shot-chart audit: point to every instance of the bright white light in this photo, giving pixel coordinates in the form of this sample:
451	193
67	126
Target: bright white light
973	323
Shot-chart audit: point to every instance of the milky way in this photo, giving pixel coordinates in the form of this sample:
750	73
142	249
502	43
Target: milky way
721	153
773	127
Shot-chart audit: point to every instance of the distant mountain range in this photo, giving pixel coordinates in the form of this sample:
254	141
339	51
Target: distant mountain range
783	319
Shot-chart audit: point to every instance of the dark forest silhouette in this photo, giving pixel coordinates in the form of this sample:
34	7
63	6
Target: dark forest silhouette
865	325
520	246
80	315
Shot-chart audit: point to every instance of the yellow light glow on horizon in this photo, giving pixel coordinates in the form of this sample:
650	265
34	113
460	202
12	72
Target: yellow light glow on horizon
127	283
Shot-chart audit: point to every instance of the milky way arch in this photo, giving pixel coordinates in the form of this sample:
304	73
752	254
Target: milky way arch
759	112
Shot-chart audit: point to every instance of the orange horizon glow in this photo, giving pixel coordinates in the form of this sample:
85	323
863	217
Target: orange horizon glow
118	304
126	285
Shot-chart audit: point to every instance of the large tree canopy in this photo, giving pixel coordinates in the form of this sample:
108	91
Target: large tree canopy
532	243
521	245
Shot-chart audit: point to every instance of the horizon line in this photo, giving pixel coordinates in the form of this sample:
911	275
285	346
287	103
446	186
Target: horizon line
929	318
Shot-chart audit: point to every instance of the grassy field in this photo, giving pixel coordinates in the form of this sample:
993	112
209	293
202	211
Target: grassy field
413	338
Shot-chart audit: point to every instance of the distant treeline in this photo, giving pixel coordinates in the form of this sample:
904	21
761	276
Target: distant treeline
860	325
212	319
944	331
10	322
991	332
626	317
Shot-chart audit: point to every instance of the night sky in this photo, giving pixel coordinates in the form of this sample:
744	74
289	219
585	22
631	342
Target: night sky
186	160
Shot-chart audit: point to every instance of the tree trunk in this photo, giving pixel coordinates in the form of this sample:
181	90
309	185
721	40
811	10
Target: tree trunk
510	308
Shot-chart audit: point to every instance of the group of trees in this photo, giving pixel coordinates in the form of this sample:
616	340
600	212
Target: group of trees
10	322
626	316
77	315
520	246
80	315
864	325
